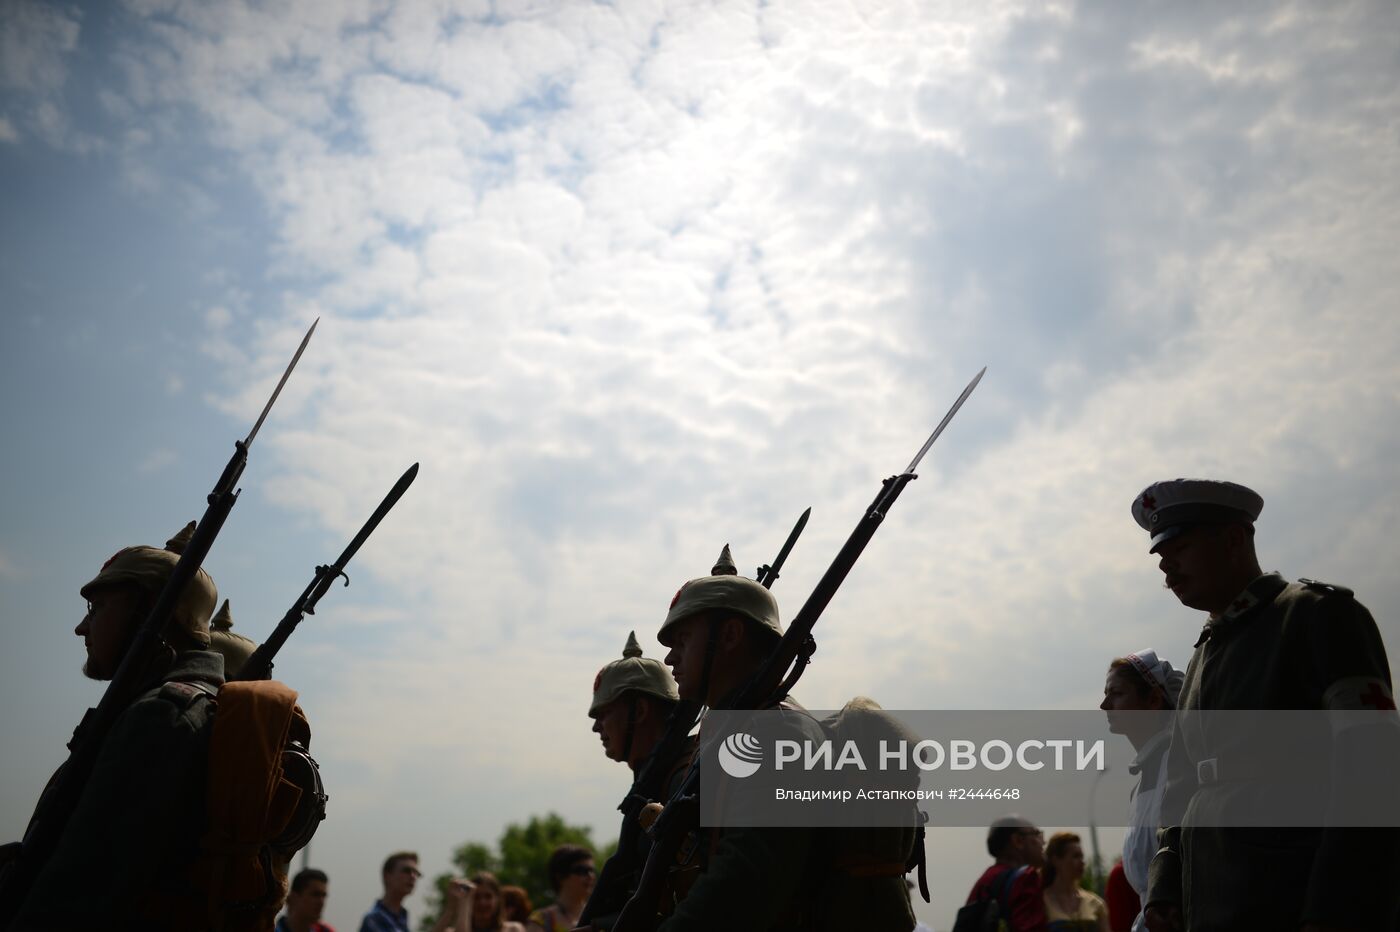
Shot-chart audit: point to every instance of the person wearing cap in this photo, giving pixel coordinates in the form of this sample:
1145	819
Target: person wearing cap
632	700
719	630
1267	643
141	813
1139	694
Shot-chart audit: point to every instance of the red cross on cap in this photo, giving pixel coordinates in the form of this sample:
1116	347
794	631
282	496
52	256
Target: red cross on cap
1239	605
677	597
111	558
1148	502
597	681
1375	697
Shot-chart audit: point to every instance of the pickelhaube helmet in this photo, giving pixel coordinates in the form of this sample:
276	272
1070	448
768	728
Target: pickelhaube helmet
633	673
149	568
725	589
235	648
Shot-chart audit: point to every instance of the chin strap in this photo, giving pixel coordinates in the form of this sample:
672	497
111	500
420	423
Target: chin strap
711	647
631	727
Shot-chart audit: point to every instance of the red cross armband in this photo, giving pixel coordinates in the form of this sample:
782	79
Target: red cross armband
1358	701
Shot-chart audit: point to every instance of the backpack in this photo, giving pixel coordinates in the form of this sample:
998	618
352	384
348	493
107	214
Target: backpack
264	802
862	884
986	915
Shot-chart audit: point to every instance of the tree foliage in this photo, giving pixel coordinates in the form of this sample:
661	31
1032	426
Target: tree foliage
520	858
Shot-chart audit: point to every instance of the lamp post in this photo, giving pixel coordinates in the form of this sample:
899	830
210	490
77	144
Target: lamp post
1098	882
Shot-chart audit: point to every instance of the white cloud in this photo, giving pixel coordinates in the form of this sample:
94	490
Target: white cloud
37	44
156	460
217	318
10	570
35	40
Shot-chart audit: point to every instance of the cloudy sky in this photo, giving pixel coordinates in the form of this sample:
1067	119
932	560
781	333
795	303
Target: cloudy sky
635	279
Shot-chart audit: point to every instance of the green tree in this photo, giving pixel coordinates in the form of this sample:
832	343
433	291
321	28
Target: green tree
520	858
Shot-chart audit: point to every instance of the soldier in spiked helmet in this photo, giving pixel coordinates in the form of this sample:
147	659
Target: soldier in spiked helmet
141	814
719	630
632	699
1267	643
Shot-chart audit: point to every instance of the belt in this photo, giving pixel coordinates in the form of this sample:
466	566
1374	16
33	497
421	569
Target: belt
1246	770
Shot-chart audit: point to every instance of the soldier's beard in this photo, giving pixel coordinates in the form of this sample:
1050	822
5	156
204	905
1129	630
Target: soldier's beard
93	672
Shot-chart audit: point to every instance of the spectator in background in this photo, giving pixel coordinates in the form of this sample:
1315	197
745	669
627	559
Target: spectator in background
517	906
1068	906
400	875
1014	880
1122	900
571	876
306	901
1139	695
475	906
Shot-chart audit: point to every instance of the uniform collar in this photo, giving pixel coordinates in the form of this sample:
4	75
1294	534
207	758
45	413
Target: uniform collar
1263	590
205	666
1155	745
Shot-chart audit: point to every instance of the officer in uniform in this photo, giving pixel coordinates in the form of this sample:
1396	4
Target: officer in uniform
120	861
1267	644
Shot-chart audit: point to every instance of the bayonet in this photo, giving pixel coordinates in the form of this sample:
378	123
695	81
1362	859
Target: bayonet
259	665
768	572
914	463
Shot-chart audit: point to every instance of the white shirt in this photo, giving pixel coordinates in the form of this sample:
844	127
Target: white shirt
1144	812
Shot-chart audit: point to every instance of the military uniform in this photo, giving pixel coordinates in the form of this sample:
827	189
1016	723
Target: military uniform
755	878
1278	646
123	857
626	679
138	823
772	878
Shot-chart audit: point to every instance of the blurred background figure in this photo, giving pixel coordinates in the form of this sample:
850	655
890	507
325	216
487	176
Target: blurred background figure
1012	884
475	905
306	900
517	906
1139	696
1068	906
400	875
571	876
1123	902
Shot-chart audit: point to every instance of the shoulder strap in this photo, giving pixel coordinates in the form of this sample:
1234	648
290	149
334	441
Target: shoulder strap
1004	885
1326	588
185	694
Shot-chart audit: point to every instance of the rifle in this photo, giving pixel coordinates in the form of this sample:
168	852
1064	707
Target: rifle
650	783
259	665
767	686
51	815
